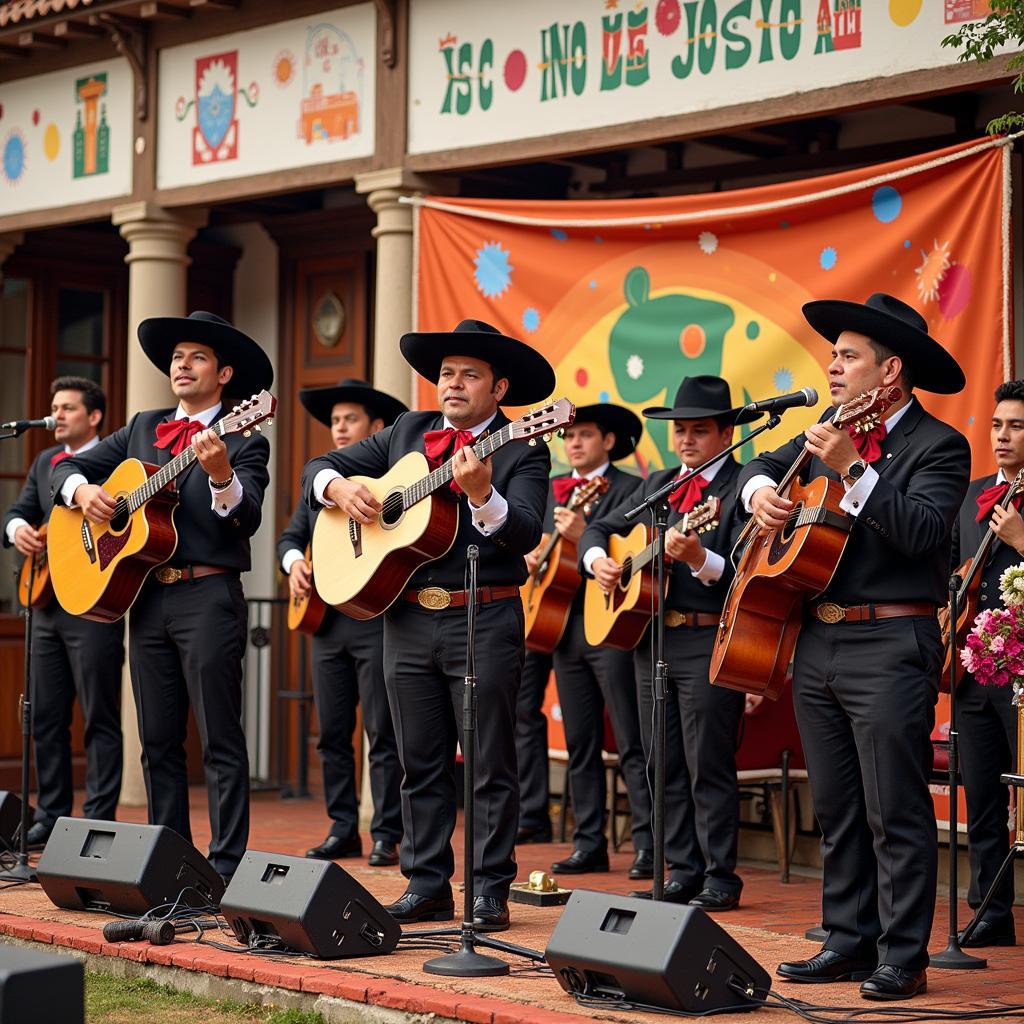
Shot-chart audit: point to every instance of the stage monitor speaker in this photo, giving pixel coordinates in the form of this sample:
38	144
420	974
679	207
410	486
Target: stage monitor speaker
310	906
657	954
123	868
10	817
40	986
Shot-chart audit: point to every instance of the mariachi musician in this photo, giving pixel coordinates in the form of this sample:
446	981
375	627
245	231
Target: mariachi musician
589	679
702	722
868	657
348	655
986	718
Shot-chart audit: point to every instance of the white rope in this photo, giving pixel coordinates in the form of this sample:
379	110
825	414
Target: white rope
1007	264
415	266
722	212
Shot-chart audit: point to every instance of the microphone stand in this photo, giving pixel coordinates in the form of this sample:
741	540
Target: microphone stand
467	962
953	958
657	505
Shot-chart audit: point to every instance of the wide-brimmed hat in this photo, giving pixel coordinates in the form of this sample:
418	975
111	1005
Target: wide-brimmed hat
616	419
530	376
701	398
320	402
251	366
897	326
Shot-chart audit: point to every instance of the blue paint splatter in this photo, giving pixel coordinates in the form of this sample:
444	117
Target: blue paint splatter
886	204
14	157
906	243
493	272
783	379
559	234
603	396
828	257
593	283
598	239
531	319
970	421
784	224
753	329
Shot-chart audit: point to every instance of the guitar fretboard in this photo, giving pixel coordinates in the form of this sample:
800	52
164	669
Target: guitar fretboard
444	474
163	476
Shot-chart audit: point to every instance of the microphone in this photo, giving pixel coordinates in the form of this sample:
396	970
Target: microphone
47	423
805	396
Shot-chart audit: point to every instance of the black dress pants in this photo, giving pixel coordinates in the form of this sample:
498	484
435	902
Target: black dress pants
186	642
588	679
702	802
74	657
532	743
348	669
864	695
988	742
425	670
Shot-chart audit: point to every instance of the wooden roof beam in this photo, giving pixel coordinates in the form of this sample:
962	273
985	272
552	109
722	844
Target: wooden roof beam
70	30
39	41
157	10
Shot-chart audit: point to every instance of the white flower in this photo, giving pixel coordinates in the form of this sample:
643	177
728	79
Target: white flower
707	241
634	367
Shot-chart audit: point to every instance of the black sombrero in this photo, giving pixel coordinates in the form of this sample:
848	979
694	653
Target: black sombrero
625	425
252	370
530	376
897	326
701	398
320	402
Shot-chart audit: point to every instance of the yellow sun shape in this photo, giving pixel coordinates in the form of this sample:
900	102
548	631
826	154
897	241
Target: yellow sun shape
51	142
932	270
284	67
903	12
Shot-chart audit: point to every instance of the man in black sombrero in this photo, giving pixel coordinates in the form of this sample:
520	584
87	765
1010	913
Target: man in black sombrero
702	722
348	655
501	508
867	662
188	624
590	679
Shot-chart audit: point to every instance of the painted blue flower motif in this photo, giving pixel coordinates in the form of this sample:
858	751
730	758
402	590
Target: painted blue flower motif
970	421
783	380
886	204
593	283
493	272
603	396
906	243
559	234
828	257
14	157
531	319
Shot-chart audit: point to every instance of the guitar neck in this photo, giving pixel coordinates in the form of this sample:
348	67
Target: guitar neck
444	474
983	549
166	474
642	560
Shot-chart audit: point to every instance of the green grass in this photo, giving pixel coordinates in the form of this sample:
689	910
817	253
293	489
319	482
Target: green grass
113	1000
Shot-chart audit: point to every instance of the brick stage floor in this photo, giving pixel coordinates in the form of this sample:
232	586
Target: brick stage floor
769	924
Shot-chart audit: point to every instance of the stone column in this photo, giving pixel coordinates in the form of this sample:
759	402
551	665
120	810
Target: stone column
157	260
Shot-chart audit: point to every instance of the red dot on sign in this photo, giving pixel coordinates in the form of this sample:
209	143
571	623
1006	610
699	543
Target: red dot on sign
692	340
35	117
515	70
581	378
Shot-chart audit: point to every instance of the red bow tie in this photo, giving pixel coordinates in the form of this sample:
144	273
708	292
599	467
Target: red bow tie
177	434
58	456
869	445
992	496
563	486
684	498
436	445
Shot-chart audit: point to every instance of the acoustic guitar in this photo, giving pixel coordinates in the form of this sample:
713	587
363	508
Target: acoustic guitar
620	617
98	568
549	592
362	570
305	614
777	569
34	586
969	594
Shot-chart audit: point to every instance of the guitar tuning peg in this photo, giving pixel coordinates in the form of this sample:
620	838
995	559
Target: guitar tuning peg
259	429
547	438
532	442
237	409
561	431
270	421
246	433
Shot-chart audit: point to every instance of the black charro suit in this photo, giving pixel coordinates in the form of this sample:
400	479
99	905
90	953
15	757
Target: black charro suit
702	722
425	662
348	669
70	657
588	680
987	723
865	693
187	639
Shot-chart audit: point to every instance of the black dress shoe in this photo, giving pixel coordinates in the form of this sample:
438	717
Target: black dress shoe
990	933
580	863
336	847
411	907
674	892
890	982
38	833
383	855
643	865
490	914
715	899
533	834
828	965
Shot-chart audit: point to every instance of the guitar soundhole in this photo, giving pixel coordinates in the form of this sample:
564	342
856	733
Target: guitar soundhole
121	517
627	574
787	531
392	510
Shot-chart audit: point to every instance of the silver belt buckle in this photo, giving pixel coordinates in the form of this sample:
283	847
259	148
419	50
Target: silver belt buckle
434	599
829	612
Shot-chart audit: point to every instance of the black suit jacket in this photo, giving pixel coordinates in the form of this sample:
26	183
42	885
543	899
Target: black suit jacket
519	474
967	535
899	546
685	591
33	504
204	538
619	485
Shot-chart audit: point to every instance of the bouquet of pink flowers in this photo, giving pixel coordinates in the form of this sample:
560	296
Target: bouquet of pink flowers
995	646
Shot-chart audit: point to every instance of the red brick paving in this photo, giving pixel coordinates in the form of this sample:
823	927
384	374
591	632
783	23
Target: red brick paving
769	924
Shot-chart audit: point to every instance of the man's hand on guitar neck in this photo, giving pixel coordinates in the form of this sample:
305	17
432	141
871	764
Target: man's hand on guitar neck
354	499
97	506
300	579
769	509
27	540
472	475
570	524
1008	526
212	453
685	547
